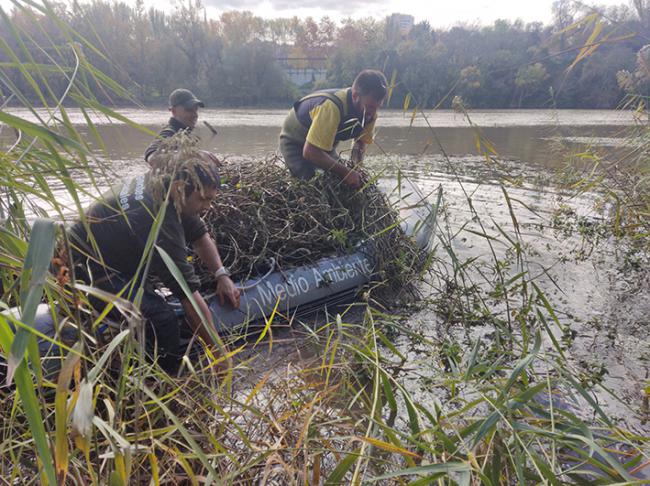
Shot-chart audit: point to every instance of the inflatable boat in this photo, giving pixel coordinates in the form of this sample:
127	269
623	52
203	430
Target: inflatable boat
328	281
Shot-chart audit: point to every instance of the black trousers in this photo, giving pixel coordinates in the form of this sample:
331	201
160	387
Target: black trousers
162	325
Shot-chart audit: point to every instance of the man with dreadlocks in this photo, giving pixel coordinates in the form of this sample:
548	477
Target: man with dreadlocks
110	247
320	120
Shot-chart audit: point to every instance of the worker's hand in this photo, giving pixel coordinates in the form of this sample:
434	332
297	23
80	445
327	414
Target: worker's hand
226	290
209	157
353	180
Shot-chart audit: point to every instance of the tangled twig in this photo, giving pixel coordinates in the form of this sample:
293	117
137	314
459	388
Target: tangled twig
270	215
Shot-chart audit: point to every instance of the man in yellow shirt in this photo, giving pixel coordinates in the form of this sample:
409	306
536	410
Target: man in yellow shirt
319	121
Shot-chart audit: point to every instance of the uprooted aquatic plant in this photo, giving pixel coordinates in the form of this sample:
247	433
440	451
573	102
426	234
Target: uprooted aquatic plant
271	216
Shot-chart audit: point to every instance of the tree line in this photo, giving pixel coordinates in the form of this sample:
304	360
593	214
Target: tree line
585	58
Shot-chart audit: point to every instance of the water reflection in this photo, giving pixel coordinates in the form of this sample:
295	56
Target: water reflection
221	117
534	145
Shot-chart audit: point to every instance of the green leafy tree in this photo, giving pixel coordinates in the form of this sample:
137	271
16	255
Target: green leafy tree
582	55
530	80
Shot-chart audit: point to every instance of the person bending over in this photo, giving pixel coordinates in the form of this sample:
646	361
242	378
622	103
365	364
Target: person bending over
320	120
109	242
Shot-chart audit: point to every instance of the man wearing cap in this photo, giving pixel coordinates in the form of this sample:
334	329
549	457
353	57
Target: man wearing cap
320	120
185	112
109	242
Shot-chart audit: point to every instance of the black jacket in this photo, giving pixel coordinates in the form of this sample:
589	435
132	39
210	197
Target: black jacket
120	224
173	126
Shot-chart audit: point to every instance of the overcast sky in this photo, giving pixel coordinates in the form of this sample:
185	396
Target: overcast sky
439	13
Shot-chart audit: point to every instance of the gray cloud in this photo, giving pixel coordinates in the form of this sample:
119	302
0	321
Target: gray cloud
338	6
232	4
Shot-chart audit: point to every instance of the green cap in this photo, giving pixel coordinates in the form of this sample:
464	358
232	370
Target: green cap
185	98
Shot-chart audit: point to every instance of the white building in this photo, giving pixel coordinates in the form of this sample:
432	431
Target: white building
401	23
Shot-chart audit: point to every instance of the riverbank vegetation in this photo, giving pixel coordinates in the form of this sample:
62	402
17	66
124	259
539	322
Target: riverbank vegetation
477	386
624	178
240	59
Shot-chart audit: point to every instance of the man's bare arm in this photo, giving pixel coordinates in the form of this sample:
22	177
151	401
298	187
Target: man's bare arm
207	250
325	161
195	322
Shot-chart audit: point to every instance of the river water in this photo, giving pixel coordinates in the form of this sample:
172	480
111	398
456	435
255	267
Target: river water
597	286
526	135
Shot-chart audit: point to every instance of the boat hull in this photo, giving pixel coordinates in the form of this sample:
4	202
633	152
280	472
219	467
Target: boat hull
325	281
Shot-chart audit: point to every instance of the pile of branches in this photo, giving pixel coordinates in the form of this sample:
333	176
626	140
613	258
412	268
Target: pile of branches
269	217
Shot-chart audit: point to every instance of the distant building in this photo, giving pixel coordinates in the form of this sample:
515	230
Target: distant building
400	24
